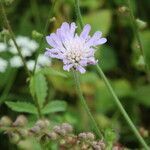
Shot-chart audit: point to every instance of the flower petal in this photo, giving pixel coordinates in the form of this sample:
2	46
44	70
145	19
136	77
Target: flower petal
80	69
84	34
67	67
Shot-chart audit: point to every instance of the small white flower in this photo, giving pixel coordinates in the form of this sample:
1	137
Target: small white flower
3	65
30	65
16	62
26	45
3	47
43	60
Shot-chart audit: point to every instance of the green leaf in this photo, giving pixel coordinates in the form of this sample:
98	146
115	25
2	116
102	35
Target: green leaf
54	106
52	72
100	20
22	107
40	87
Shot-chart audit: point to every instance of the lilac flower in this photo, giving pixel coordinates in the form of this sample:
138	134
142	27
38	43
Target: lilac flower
76	51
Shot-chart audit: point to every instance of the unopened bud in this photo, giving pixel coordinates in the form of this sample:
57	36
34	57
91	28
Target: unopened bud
62	142
14	138
140	62
20	121
101	144
123	9
82	135
5	121
53	19
25	145
23	132
56	129
90	136
36	35
35	129
143	132
52	135
42	123
141	24
67	127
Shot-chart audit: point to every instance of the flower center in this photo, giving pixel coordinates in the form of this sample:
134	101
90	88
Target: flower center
74	56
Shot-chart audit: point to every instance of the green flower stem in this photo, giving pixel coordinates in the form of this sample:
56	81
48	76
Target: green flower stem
3	13
122	110
78	13
83	102
136	32
124	113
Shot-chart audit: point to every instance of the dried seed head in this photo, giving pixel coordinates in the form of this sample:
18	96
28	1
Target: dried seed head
20	121
5	121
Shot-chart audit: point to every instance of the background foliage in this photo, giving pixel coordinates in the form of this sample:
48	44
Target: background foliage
54	88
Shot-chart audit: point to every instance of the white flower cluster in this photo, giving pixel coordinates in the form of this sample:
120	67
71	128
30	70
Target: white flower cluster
28	47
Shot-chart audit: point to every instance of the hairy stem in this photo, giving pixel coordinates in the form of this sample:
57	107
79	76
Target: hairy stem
122	110
115	98
136	32
3	13
83	102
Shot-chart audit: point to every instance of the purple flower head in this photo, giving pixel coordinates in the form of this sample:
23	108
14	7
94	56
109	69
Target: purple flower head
76	51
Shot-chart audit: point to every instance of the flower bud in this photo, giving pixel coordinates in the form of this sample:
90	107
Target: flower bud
25	145
90	136
140	62
5	121
42	123
52	135
20	121
67	127
14	138
53	19
35	129
101	144
123	9
144	132
23	132
56	129
141	24
36	35
82	136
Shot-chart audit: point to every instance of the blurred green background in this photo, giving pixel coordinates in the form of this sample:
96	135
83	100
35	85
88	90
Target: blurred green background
119	59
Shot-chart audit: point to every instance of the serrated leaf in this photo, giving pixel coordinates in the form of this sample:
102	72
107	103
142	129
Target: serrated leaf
52	72
41	88
22	107
54	106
